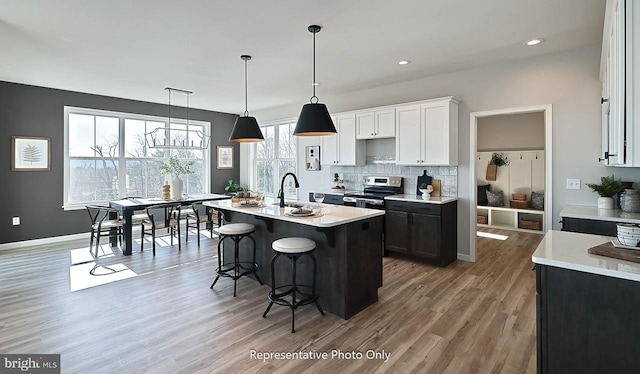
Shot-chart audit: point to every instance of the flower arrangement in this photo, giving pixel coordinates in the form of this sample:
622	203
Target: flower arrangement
608	186
176	167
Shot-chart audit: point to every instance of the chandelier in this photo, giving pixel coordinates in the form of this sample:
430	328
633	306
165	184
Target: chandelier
177	138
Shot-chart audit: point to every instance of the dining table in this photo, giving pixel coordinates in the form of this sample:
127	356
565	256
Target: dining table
127	207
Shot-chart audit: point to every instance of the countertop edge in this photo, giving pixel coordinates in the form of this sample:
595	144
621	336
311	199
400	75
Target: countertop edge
586	269
301	220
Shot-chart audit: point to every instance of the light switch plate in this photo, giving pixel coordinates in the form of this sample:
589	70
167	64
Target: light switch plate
16	221
573	184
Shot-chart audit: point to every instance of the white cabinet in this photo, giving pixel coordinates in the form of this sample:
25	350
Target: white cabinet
343	148
620	84
376	124
427	133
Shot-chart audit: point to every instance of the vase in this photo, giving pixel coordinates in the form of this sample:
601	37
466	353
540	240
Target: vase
630	201
176	188
605	202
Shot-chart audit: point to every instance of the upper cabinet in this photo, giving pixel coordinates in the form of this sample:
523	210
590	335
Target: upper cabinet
621	84
376	124
427	133
343	148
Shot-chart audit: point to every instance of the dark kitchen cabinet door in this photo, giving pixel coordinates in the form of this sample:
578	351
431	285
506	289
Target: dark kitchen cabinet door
397	231
586	323
426	235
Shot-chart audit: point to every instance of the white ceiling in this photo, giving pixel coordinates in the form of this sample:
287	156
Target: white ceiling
133	49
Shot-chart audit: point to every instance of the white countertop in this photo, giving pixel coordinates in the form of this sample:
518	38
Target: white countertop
419	199
568	250
332	215
592	212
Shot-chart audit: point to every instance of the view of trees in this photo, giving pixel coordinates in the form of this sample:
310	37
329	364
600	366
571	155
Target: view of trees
275	157
95	165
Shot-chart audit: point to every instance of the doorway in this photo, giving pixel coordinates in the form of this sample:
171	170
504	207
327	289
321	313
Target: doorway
546	111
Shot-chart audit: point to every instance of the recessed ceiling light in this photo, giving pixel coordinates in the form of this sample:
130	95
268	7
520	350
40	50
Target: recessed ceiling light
404	62
535	41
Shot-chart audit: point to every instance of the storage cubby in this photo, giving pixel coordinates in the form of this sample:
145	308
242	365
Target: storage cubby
510	218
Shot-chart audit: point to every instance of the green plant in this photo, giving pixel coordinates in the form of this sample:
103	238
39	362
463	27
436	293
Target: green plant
499	160
608	186
176	167
232	187
424	186
336	177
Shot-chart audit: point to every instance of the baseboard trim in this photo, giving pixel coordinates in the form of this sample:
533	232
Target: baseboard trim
464	257
50	240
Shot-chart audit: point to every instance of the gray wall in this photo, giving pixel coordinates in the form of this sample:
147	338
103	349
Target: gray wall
568	80
37	196
511	132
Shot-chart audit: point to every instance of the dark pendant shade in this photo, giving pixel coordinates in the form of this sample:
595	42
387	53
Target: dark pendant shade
314	120
246	130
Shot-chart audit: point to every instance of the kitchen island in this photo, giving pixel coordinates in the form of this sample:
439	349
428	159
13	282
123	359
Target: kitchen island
348	249
587	307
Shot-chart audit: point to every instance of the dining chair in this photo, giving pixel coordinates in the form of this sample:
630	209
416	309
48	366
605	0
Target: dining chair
161	217
104	222
199	214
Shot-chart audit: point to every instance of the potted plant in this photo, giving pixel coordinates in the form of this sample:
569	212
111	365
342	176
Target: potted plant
426	190
175	168
336	180
232	187
608	187
497	160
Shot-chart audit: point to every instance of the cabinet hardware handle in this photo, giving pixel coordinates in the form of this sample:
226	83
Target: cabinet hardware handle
606	156
603	100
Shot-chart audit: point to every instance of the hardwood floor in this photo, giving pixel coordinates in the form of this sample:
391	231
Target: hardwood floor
466	318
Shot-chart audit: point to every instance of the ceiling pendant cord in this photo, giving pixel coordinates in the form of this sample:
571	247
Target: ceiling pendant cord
246	90
314	30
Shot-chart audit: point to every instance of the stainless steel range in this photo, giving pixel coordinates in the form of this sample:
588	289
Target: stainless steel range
374	191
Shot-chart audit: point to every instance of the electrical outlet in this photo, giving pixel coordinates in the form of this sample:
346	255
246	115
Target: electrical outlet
573	184
16	221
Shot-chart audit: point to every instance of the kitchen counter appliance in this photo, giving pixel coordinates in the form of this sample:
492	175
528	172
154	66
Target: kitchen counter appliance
374	191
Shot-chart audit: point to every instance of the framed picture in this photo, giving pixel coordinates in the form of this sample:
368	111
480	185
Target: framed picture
30	153
225	157
312	158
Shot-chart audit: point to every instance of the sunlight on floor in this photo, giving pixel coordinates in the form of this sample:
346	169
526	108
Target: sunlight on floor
84	272
492	236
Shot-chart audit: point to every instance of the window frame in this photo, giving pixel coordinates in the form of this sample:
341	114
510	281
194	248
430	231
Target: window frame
276	160
121	158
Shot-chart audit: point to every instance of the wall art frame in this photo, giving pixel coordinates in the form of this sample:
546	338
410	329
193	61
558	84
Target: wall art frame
30	153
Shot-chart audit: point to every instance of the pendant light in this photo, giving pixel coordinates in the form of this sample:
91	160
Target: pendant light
246	129
314	119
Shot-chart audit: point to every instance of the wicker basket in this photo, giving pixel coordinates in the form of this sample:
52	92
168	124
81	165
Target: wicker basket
530	225
519	204
483	220
519	196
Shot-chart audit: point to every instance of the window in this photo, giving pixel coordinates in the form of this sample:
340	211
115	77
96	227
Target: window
106	157
273	158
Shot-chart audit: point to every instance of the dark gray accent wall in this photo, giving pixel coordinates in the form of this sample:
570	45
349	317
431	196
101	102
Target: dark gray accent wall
36	196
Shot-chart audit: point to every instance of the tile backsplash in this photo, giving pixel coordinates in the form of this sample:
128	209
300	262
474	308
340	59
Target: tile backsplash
353	175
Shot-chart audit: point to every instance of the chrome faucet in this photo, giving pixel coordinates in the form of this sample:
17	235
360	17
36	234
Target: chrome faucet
281	192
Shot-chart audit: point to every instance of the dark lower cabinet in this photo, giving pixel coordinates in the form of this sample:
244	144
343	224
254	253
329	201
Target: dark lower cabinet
422	229
397	231
586	323
589	226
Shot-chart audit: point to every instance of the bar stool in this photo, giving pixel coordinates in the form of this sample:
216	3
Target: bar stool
293	248
236	269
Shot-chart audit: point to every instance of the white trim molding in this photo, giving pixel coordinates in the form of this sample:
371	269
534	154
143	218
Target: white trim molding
43	241
473	148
